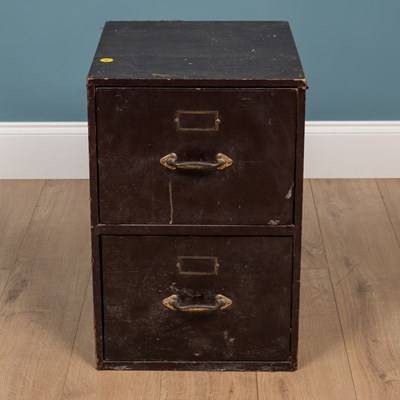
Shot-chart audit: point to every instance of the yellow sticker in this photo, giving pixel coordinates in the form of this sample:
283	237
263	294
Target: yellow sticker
106	59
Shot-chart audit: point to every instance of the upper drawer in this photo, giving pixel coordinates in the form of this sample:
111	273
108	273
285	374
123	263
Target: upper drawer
255	128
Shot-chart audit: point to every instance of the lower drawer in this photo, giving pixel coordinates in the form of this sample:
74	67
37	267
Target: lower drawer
174	298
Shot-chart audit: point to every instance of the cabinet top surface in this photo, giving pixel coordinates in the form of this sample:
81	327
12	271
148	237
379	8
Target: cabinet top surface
190	53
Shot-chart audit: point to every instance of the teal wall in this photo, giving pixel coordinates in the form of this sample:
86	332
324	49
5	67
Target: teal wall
350	51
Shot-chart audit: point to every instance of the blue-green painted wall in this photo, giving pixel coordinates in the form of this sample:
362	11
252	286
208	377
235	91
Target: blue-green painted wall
350	50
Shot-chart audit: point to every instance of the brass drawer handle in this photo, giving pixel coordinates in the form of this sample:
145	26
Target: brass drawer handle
221	302
170	161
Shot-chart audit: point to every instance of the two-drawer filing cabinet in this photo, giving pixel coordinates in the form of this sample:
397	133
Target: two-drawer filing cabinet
196	134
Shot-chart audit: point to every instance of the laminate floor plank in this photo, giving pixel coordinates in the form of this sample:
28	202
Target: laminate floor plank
312	251
390	191
86	383
324	372
208	386
18	199
42	301
364	260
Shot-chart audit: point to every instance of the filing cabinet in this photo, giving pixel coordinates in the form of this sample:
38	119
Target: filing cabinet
196	136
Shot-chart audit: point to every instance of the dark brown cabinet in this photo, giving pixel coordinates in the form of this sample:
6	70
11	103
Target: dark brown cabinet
196	136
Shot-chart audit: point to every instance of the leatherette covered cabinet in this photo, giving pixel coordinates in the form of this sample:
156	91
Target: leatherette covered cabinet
196	134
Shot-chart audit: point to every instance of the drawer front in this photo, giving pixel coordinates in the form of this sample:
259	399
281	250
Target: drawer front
255	128
253	273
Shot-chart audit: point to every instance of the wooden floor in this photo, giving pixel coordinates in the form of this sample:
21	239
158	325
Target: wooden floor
350	305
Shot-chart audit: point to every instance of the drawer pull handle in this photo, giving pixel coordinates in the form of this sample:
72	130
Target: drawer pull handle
170	161
221	302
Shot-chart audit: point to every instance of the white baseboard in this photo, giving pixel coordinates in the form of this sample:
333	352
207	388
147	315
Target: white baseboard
334	149
44	150
352	149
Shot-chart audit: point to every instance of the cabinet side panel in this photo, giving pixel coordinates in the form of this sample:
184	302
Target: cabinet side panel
96	266
298	206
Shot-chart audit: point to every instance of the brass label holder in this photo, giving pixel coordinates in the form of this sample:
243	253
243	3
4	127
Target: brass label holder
197	265
197	121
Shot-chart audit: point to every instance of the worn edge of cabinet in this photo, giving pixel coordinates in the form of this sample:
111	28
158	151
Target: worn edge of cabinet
188	83
268	366
194	230
297	218
94	218
97	229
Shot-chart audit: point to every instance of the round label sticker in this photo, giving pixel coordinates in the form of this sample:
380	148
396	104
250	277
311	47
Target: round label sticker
106	60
